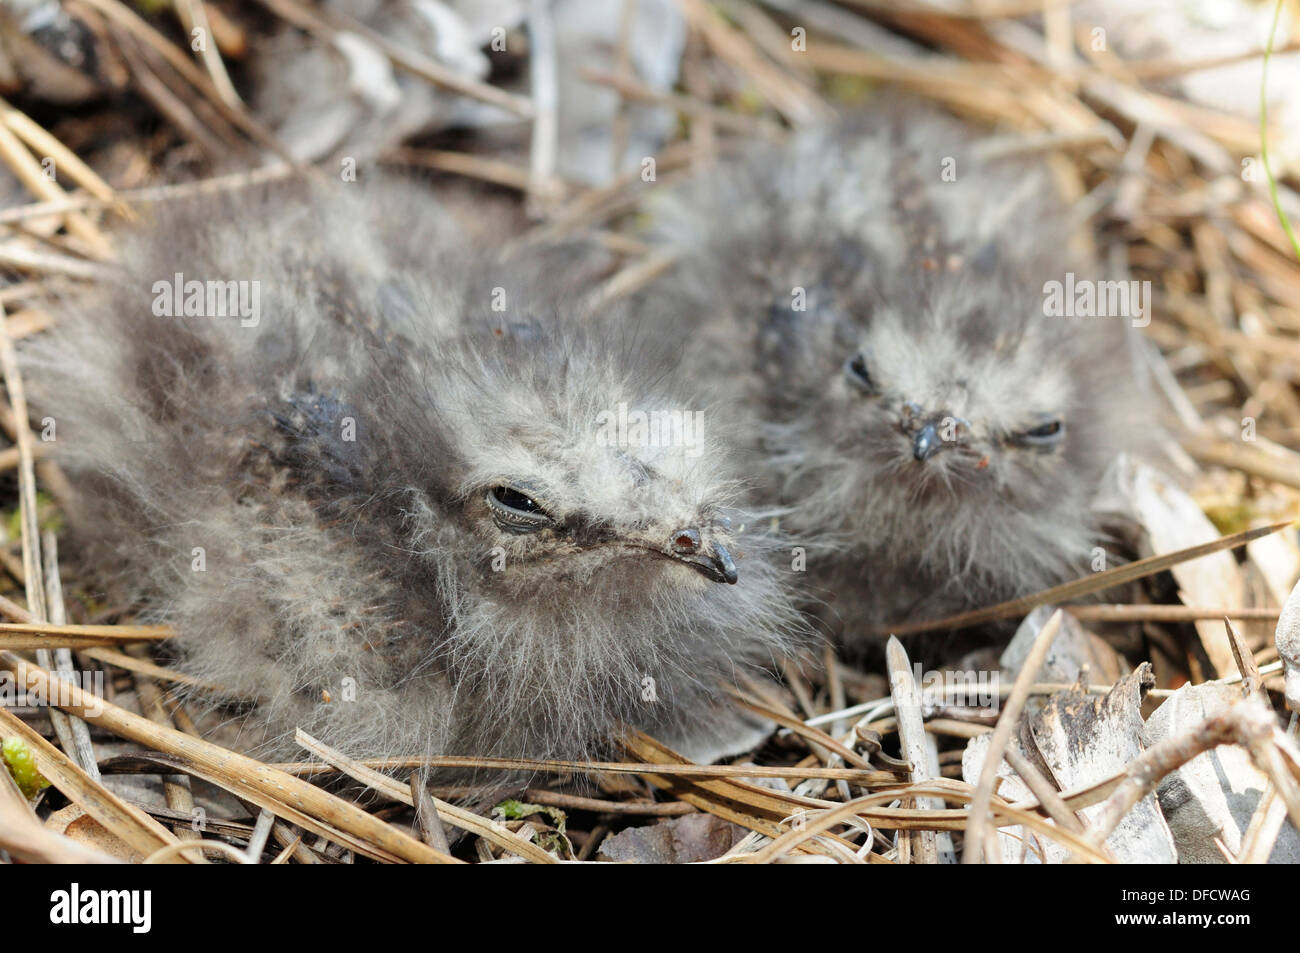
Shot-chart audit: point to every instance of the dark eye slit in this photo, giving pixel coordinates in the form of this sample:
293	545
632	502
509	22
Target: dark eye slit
515	500
1050	429
858	373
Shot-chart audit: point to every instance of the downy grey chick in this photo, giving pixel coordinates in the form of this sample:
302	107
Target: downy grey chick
385	500
872	300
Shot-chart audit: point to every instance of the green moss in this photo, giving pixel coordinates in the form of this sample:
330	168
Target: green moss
47	517
556	840
1231	518
848	90
750	101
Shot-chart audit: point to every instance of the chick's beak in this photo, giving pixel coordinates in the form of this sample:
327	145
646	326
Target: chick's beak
712	561
926	442
718	566
932	432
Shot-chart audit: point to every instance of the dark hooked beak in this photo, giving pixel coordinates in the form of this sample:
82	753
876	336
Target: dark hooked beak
718	565
926	442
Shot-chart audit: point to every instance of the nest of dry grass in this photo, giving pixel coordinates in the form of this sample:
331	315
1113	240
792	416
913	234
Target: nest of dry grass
845	775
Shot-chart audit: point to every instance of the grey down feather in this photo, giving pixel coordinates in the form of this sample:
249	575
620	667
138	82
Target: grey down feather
871	301
388	509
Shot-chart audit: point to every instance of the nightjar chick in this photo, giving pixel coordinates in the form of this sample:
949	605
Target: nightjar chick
934	395
400	490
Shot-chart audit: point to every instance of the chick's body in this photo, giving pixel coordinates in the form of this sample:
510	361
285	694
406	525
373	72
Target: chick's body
385	507
872	299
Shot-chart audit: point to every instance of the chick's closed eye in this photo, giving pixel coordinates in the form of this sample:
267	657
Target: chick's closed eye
858	374
1045	437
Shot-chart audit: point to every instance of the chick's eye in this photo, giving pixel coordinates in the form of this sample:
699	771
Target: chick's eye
1043	437
514	500
516	511
858	375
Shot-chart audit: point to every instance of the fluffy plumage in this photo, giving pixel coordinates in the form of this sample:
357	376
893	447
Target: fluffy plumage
871	299
416	537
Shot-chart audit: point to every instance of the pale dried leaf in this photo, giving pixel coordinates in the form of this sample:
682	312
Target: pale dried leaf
1085	739
1172	521
1215	794
1287	637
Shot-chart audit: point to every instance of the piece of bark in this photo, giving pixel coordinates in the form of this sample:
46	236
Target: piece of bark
1084	739
689	839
